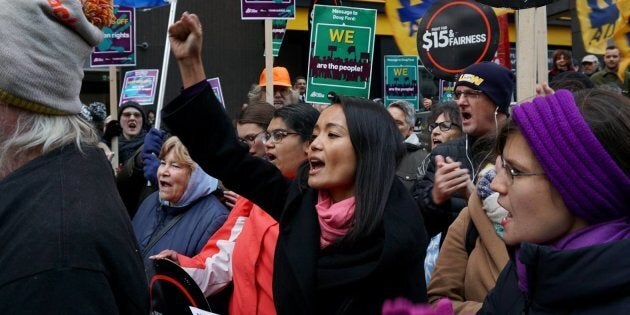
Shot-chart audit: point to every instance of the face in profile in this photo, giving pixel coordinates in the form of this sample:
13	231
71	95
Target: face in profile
401	122
251	134
285	148
131	122
443	130
536	212
173	176
332	159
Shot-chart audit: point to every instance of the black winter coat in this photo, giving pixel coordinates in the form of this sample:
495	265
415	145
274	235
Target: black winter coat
590	280
437	218
307	280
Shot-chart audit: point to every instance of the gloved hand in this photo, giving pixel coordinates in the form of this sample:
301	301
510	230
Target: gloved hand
112	129
150	151
401	306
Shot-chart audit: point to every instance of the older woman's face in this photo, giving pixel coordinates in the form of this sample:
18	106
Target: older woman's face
441	134
332	159
173	178
536	212
287	153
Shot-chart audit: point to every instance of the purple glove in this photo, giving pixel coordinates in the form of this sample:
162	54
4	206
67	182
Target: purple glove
401	306
150	151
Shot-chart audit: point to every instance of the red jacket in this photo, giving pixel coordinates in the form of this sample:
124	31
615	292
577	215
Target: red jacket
240	251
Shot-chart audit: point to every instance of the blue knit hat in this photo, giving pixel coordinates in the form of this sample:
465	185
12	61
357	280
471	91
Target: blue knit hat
497	82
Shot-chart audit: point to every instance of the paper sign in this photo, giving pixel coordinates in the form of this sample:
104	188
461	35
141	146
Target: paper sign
341	52
196	311
216	87
267	9
118	47
401	80
139	86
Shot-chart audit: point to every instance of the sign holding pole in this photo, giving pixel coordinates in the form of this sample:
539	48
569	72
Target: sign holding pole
167	55
341	52
113	111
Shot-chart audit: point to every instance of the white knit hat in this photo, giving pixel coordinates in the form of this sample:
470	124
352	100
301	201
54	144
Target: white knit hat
45	44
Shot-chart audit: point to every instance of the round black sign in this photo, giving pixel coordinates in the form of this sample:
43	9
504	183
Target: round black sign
172	290
516	4
456	34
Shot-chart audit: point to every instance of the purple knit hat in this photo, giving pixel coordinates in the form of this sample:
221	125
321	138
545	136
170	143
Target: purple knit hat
591	184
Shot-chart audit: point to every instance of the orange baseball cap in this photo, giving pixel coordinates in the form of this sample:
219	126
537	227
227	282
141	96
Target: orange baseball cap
280	77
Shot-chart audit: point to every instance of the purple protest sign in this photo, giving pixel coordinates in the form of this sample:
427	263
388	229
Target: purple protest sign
118	47
216	87
139	86
267	9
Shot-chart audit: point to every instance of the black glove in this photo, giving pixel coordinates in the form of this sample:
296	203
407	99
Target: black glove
112	129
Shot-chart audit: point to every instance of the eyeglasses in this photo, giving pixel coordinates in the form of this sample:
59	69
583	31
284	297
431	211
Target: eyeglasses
468	94
512	173
444	126
250	139
277	135
129	114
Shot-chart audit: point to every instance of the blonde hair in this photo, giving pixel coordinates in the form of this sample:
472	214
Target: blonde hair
180	152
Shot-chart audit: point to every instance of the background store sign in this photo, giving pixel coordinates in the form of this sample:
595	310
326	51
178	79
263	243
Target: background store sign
139	86
455	34
118	47
401	79
404	17
267	9
516	4
341	52
215	83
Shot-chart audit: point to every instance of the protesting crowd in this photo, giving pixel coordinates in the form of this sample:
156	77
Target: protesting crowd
292	208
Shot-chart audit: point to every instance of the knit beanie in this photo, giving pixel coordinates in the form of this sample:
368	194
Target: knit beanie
45	44
591	184
135	105
496	82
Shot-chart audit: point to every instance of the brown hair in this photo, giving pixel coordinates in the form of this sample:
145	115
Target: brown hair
259	113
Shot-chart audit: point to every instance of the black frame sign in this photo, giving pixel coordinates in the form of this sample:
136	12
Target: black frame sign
453	35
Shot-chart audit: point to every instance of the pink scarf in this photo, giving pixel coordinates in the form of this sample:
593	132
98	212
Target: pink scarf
335	219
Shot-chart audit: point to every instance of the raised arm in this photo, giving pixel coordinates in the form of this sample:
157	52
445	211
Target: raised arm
200	121
186	37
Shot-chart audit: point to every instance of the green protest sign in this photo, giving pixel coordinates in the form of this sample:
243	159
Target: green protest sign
340	57
278	29
401	79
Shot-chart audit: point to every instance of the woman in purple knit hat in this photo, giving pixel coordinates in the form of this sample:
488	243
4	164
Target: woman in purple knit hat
563	176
